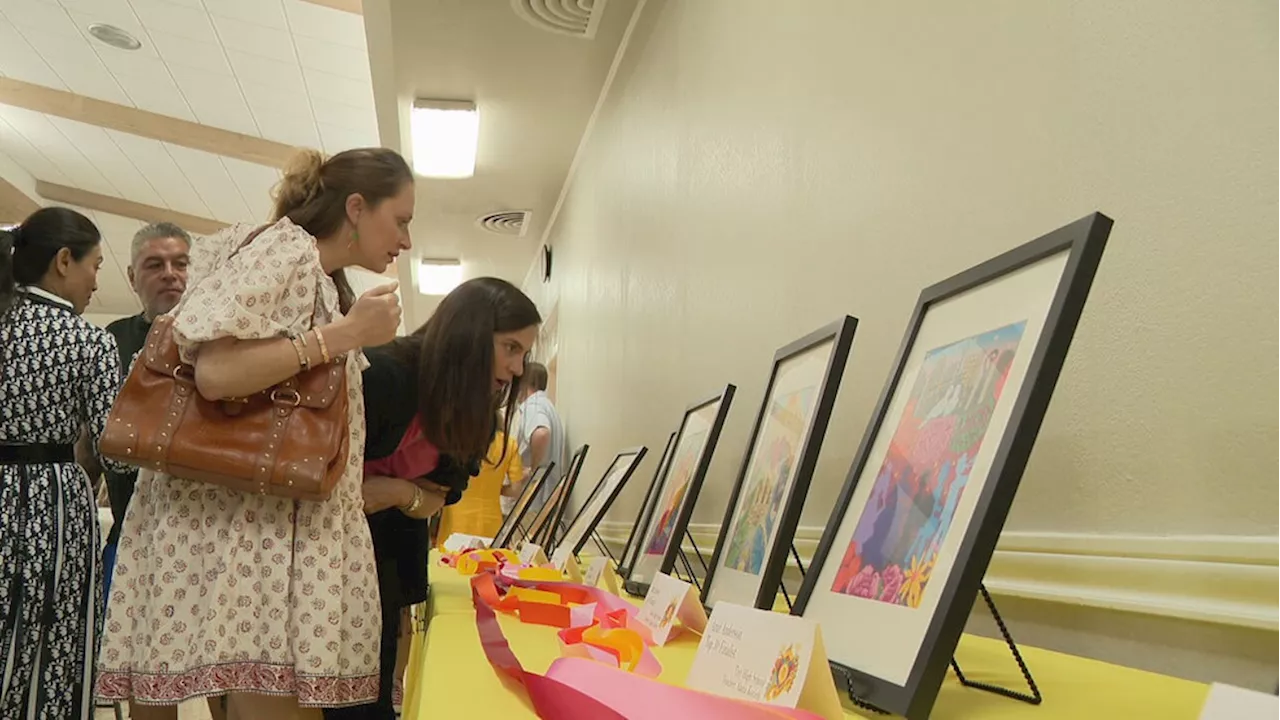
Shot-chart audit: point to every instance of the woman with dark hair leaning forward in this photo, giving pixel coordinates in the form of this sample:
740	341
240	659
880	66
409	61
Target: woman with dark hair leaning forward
58	374
431	408
267	600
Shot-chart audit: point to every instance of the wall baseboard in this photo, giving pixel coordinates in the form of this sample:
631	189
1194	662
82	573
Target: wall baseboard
1227	580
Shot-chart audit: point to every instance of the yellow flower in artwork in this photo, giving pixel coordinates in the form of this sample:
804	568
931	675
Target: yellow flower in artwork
785	669
912	590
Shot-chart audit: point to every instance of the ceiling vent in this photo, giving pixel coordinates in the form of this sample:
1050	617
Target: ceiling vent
505	222
578	18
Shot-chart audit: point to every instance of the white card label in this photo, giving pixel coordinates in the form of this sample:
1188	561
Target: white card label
459	542
766	657
669	600
595	570
529	553
1227	702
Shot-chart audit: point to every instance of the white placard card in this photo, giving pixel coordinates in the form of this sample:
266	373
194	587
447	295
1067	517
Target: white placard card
532	554
670	599
459	542
765	657
1227	702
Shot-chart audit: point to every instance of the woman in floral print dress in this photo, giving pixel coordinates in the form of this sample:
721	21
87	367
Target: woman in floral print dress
270	601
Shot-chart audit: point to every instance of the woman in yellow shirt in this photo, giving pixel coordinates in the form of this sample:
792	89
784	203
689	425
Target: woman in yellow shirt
479	512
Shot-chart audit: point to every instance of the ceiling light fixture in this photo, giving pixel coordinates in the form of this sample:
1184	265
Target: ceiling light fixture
114	36
439	277
446	134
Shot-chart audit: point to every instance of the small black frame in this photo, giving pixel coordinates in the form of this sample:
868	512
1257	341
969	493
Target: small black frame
629	550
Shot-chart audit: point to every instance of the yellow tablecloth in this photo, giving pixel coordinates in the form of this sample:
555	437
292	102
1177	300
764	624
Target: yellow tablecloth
448	676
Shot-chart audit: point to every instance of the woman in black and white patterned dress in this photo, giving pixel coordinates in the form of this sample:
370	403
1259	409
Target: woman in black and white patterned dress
58	374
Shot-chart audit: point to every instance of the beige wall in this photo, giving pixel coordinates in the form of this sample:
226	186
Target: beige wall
761	168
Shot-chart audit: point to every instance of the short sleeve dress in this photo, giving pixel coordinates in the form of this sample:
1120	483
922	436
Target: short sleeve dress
218	591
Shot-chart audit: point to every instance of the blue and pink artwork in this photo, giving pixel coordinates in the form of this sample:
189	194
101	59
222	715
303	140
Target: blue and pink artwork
895	543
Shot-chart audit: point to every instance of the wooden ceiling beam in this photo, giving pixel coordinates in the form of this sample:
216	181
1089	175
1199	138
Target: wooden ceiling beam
15	206
144	123
352	6
127	208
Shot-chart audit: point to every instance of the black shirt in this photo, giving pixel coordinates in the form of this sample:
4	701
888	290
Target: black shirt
130	334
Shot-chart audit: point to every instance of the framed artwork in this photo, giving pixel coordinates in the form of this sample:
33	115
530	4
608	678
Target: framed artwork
631	549
542	529
913	530
511	523
602	496
695	443
765	503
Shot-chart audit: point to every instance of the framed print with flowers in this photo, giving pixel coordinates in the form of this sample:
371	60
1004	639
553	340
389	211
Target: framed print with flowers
901	559
629	551
764	506
695	443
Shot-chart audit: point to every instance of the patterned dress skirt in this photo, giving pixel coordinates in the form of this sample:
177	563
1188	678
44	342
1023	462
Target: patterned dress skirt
50	592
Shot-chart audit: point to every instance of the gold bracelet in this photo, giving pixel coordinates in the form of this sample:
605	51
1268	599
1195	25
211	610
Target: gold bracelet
415	503
324	347
299	346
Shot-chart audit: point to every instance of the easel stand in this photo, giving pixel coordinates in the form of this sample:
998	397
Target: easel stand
600	543
1032	698
688	566
785	595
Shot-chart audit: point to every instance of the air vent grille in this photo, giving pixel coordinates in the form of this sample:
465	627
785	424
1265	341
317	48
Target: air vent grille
578	18
505	222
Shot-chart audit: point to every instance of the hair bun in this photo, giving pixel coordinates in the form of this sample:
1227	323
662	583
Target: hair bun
302	180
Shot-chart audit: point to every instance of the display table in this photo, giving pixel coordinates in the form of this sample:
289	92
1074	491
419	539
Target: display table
449	677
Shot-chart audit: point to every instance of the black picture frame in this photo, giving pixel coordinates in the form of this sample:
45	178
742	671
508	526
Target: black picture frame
629	551
511	523
722	400
633	457
839	336
1083	242
544	525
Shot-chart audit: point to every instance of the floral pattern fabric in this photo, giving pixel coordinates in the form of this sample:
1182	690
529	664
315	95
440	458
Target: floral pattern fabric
219	591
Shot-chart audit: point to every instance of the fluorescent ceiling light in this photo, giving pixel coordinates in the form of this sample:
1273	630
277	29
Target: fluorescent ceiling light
439	277
445	137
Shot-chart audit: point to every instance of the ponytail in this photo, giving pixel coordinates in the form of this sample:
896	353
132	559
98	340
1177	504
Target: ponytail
27	251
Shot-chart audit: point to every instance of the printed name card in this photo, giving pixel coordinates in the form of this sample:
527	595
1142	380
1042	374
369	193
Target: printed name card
767	657
459	542
670	599
565	562
532	554
1227	702
599	568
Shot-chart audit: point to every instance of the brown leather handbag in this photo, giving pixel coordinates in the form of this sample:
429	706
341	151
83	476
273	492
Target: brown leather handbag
289	441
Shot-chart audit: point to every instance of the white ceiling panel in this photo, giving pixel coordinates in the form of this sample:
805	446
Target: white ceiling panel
35	15
286	76
98	147
326	87
180	52
77	64
41	133
269	13
155	163
210	178
20	61
342	60
288	128
311	20
215	99
336	139
156	93
174	19
256	183
28	157
360	119
259	40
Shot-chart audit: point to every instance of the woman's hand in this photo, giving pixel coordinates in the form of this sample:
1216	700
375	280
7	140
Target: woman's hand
375	316
382	492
